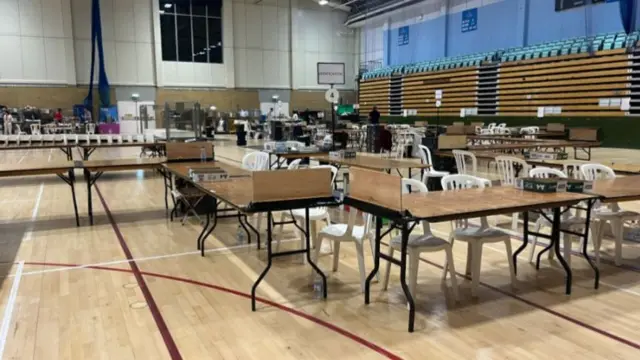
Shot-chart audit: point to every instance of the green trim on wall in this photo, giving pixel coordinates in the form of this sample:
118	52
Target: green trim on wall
617	132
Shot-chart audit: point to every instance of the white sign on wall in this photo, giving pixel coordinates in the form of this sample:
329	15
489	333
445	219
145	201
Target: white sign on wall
330	73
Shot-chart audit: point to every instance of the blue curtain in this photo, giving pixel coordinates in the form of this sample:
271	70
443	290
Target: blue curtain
96	41
628	15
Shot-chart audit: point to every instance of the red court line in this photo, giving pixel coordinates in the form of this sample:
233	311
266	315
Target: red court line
153	307
387	354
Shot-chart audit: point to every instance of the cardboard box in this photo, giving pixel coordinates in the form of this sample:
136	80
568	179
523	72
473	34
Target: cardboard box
452	142
541	185
208	174
541	155
579	186
455	130
555	127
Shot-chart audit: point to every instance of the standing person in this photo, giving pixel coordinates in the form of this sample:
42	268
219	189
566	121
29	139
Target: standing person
58	116
8	122
374	116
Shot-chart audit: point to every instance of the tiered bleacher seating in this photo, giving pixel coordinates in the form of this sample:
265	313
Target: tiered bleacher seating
571	75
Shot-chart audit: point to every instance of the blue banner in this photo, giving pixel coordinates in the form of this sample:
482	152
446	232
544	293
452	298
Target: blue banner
470	20
628	15
403	35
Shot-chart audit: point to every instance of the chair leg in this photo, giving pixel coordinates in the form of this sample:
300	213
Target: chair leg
469	270
336	254
512	270
514	221
567	247
597	240
280	230
414	261
360	255
475	272
535	241
618	231
450	267
387	271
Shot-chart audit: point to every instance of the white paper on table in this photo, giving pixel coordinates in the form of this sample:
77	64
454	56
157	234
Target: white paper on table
540	111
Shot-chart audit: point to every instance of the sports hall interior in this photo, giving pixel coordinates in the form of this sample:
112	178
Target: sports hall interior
319	179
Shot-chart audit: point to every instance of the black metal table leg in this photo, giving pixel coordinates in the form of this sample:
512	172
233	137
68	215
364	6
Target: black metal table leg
72	180
584	244
308	251
87	177
246	220
376	259
166	186
204	229
403	275
525	240
244	227
266	269
555	236
213	226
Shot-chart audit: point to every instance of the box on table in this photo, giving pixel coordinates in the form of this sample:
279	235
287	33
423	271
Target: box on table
208	174
555	127
553	185
452	142
455	130
342	154
541	155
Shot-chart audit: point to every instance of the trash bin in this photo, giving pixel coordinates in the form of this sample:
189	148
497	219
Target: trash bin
241	135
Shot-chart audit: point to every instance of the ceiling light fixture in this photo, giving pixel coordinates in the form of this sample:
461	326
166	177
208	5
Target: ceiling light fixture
168	6
323	2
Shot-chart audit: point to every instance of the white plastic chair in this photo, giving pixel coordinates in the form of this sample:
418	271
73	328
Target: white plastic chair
425	156
475	236
4	139
119	139
315	214
507	170
611	213
463	158
91	128
426	242
139	138
256	161
568	221
349	232
129	138
35	129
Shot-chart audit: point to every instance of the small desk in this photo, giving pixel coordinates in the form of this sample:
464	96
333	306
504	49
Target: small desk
468	203
374	163
240	193
585	146
100	166
63	169
156	147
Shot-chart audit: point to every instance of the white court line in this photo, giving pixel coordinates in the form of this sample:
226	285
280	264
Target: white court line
441	233
34	215
142	259
36	208
8	310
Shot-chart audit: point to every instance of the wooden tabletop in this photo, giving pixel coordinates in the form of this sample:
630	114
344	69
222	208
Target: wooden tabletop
619	189
374	163
44	168
35	145
126	144
532	145
450	205
123	164
299	155
237	191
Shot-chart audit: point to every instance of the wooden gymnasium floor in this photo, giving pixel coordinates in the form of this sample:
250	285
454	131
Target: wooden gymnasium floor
133	286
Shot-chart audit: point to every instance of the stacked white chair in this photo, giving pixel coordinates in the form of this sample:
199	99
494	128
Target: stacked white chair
475	236
568	221
4	140
611	213
129	138
119	139
24	139
139	138
507	171
35	129
315	214
91	128
425	242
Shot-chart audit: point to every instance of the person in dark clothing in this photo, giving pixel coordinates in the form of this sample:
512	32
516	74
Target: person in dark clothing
374	116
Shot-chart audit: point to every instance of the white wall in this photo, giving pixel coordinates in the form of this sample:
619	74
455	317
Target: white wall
371	43
182	74
261	39
127	36
318	35
36	42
